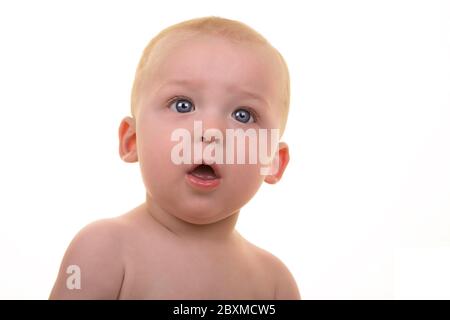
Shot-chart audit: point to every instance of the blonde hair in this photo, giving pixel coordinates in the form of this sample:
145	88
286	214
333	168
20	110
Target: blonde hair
230	29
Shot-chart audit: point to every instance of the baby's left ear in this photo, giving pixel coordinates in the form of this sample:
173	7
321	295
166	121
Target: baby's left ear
279	164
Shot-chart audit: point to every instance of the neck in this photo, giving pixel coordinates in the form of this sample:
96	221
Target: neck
222	231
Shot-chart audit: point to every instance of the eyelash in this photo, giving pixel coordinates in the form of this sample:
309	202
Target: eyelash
253	113
172	100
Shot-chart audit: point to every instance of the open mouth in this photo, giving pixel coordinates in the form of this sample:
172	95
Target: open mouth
204	172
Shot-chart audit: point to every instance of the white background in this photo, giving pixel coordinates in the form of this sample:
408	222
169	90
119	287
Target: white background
363	210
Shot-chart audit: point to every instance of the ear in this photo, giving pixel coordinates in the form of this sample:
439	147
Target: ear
127	140
279	164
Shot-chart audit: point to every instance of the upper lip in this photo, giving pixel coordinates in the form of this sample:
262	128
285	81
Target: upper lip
214	166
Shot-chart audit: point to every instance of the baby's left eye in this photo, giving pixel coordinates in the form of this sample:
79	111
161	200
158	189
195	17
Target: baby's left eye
243	115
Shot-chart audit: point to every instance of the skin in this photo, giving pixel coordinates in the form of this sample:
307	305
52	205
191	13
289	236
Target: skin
181	243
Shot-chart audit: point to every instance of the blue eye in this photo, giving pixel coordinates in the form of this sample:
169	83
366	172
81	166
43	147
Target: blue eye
243	116
182	105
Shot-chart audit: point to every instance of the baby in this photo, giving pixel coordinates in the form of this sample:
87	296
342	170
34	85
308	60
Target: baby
196	80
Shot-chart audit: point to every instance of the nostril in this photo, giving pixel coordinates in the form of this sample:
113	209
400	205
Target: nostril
211	139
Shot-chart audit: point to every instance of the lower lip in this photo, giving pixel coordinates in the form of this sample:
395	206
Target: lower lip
202	183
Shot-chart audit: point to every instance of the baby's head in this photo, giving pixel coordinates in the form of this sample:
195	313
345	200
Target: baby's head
202	79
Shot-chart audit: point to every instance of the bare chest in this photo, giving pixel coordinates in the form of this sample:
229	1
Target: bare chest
171	272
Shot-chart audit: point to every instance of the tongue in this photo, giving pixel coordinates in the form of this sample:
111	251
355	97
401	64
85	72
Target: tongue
204	172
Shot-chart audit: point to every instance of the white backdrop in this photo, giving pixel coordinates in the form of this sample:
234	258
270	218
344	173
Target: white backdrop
363	210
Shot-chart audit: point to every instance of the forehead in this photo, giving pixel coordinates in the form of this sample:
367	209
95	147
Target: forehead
216	62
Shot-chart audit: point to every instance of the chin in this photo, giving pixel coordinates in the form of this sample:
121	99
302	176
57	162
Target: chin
201	216
194	220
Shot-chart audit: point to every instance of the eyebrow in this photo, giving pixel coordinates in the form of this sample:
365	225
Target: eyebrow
191	83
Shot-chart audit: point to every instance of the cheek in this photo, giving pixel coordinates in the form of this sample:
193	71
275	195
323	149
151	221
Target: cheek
243	181
154	151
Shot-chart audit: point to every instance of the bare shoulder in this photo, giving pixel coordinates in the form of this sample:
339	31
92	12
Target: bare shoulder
285	285
92	266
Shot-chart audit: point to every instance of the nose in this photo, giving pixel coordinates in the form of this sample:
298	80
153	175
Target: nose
209	131
209	139
211	124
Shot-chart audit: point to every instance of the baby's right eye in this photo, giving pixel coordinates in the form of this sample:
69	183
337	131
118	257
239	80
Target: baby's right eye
181	105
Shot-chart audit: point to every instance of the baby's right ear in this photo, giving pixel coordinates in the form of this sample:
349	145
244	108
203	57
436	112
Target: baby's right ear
127	140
